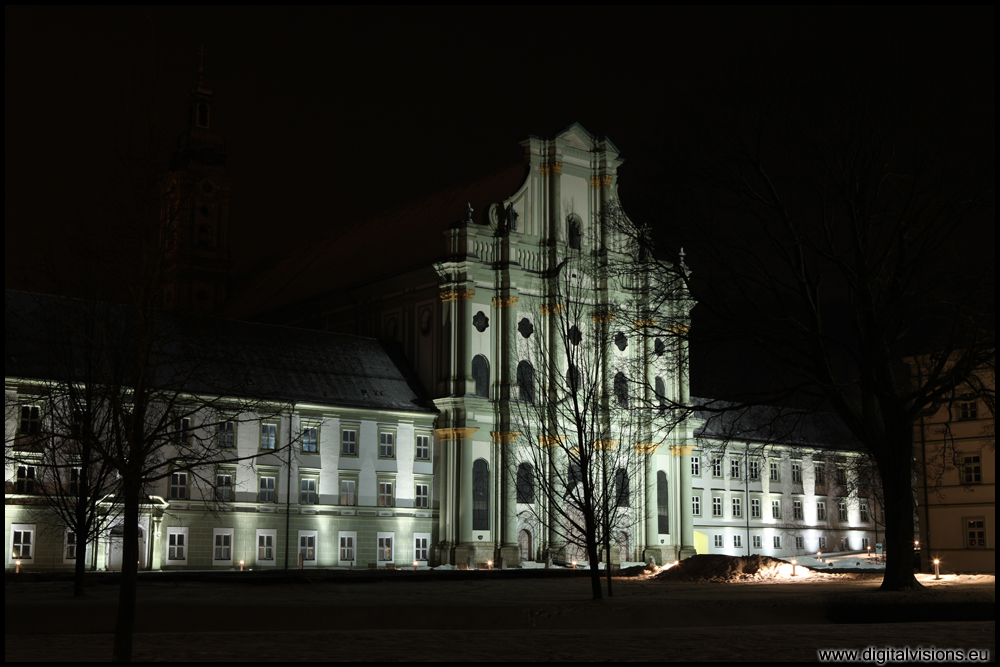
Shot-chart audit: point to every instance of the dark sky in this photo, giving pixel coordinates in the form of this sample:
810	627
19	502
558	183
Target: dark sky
333	114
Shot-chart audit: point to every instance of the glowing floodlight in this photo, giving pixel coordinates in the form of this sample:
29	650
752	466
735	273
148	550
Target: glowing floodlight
574	565
414	566
17	568
794	564
489	565
937	568
241	565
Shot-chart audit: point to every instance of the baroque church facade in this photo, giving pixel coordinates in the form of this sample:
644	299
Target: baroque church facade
410	454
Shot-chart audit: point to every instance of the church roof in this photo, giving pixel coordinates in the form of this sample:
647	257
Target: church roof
45	339
396	241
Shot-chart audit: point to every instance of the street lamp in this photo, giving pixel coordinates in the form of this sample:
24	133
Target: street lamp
937	568
794	563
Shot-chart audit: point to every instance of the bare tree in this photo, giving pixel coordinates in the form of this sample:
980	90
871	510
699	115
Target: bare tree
832	238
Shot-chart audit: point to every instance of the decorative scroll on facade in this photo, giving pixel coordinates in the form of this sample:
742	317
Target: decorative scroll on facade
644	324
504	301
457	295
459	433
647	447
505	436
603	317
681	450
679	329
550	440
551	308
606	445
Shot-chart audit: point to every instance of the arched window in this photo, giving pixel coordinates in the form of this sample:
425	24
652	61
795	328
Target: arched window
481	374
526	381
525	483
661	393
621	389
621	488
662	503
480	495
574	381
574	475
524	542
574	231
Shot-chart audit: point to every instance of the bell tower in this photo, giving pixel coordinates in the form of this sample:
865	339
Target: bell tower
194	212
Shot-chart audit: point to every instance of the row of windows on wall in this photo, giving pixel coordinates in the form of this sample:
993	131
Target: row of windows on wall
267	485
757	504
754	470
820	544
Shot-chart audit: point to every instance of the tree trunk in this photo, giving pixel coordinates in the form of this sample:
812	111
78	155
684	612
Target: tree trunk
595	574
80	568
896	470
125	625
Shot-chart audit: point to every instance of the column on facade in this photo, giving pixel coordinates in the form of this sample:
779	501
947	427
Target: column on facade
557	461
652	519
686	541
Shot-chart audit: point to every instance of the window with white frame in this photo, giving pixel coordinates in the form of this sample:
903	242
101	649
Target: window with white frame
25	482
222	546
224	487
797	510
737	508
756	542
822	544
227	434
718	542
310	438
384	547
178	486
738	541
796	472
975	532
776	541
968	408
716	467
842	512
307	491
347	542
716	506
268	435
421	546
386	444
775	509
754	470
755	508
265	492
307	546
69	546
22	542
423	449
421	496
734	468
820	471
864	512
349	441
348	492
177	546
972	469
385	497
865	543
696	505
266	542
799	542
775	471
821	511
696	466
181	431
31	420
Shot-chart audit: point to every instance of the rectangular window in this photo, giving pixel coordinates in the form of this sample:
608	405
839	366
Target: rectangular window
266	493
268	436
821	511
181	433
755	470
386	445
227	434
423	452
307	546
716	467
696	466
307	493
738	541
421	548
421	496
775	509
385	547
797	510
718	542
865	543
864	512
25	480
696	505
178	486
796	472
734	468
70	553
756	542
972	469
224	488
177	546
968	409
975	532
223	547
74	481
822	544
775	471
820	475
776	541
716	506
799	543
310	439
842	512
348	492
31	420
265	547
841	477
755	508
347	548
737	508
349	442
385	497
22	541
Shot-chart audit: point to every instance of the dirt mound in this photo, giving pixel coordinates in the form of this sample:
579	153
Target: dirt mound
716	567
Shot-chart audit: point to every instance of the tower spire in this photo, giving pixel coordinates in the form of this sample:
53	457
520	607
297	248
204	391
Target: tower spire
201	66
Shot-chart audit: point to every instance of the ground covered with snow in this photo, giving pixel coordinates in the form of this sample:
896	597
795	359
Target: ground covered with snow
700	610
